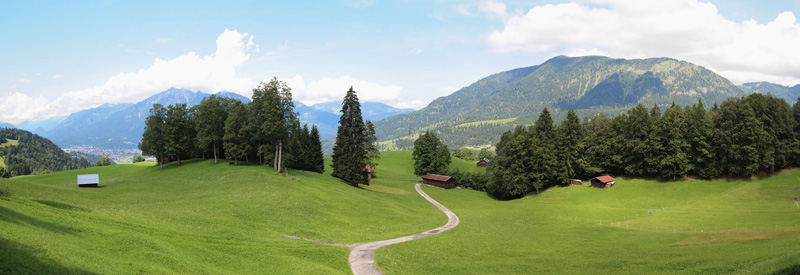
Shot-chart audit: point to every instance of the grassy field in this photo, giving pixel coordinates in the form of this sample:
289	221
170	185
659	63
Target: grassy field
737	226
202	218
207	218
496	121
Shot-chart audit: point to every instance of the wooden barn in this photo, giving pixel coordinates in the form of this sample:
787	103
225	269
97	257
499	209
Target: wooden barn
575	182
439	181
604	181
483	162
88	180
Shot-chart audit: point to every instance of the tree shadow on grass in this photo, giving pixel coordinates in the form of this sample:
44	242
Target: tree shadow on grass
12	216
63	206
17	258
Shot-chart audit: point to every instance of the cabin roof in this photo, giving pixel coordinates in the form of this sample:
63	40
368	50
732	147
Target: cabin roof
436	177
605	178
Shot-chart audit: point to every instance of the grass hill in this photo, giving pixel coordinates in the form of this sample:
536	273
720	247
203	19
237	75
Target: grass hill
206	218
24	153
591	83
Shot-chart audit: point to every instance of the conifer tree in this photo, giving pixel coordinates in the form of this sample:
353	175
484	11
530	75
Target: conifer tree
699	130
373	154
349	150
545	171
674	160
570	147
745	142
315	151
510	172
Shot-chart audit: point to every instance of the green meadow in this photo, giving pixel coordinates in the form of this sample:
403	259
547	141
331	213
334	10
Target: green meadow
206	218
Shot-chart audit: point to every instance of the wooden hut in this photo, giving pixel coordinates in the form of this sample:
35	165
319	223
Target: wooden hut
483	162
439	181
604	181
575	182
89	180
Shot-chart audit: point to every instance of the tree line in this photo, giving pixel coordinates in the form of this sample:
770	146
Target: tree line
34	155
265	131
752	135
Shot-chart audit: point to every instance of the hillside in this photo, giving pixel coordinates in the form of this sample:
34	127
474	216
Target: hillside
24	153
592	83
790	94
206	218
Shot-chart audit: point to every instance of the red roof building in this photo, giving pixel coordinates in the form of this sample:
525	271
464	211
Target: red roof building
604	181
439	181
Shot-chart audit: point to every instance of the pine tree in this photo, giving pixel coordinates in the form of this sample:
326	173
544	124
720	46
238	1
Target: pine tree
236	141
315	151
154	136
510	171
430	155
570	147
674	160
699	131
637	154
349	150
373	154
745	142
545	170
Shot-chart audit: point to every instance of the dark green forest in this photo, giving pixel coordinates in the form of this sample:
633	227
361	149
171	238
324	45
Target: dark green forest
756	135
34	155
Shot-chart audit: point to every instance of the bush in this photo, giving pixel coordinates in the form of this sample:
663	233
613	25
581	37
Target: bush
137	158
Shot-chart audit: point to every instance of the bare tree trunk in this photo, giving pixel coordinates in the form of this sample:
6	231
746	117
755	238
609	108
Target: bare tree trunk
275	159
215	153
179	161
280	154
161	162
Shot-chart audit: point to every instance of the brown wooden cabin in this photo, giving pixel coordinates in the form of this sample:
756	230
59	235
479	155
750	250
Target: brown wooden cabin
439	181
575	182
604	181
369	171
483	162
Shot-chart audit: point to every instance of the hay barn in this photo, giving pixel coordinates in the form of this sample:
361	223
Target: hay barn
604	181
439	181
88	180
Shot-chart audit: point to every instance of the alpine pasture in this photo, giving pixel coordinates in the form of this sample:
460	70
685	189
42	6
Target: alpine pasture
207	218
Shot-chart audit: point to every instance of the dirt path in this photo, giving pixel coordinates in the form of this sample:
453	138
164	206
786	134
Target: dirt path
361	261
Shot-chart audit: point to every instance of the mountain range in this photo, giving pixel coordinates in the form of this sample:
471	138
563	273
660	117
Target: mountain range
479	113
120	126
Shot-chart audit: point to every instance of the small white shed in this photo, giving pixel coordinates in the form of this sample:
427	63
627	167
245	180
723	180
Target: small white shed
89	180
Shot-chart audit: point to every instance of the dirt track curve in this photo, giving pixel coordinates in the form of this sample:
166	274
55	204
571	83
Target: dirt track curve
361	261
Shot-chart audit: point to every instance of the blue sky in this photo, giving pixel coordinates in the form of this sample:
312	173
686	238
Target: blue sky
59	57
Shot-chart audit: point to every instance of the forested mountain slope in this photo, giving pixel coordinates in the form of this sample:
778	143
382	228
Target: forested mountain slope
595	83
24	153
790	94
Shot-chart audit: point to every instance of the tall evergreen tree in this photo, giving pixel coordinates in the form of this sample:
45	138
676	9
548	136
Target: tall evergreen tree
638	149
179	132
545	165
570	147
373	155
153	141
349	150
510	172
699	134
236	141
796	147
315	151
745	142
430	155
674	160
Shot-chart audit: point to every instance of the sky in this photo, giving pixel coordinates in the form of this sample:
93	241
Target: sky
59	57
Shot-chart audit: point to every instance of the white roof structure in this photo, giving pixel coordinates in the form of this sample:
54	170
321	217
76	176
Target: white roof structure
89	179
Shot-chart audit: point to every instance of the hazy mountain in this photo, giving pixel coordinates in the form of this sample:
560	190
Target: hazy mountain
120	126
790	94
595	83
7	125
326	115
41	126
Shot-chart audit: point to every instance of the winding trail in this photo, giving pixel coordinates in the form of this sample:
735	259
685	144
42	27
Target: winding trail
361	260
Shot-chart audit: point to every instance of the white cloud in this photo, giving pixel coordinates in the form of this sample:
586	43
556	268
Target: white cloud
211	73
682	29
58	76
24	80
494	9
330	89
19	107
